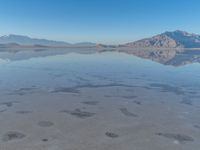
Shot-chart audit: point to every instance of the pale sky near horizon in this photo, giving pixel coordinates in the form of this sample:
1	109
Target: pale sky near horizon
100	21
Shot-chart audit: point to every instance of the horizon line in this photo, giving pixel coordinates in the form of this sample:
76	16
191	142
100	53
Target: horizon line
37	38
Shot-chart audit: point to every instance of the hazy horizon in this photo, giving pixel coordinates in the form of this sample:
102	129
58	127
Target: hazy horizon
108	22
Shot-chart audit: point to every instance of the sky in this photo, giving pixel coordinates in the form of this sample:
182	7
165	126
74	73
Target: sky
100	21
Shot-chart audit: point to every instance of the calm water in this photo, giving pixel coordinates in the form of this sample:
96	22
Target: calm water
68	70
92	100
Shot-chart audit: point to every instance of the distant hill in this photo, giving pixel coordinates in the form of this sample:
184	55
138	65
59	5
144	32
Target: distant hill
85	44
25	40
176	39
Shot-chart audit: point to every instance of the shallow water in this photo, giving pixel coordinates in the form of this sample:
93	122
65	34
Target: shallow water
89	100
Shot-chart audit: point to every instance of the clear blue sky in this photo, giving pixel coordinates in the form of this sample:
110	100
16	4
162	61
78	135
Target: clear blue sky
102	21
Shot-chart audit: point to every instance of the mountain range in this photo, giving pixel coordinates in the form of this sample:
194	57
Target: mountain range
175	39
20	40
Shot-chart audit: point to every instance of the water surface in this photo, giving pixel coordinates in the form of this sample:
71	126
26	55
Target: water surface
66	99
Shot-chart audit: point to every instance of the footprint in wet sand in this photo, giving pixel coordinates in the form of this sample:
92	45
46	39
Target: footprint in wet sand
24	91
125	112
181	138
13	135
3	110
111	135
187	101
23	112
90	103
45	123
45	140
66	90
197	126
129	97
137	102
78	113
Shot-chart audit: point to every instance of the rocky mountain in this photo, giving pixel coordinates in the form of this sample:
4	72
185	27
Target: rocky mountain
176	39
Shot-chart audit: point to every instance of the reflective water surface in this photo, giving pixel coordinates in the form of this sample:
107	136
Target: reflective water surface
85	100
